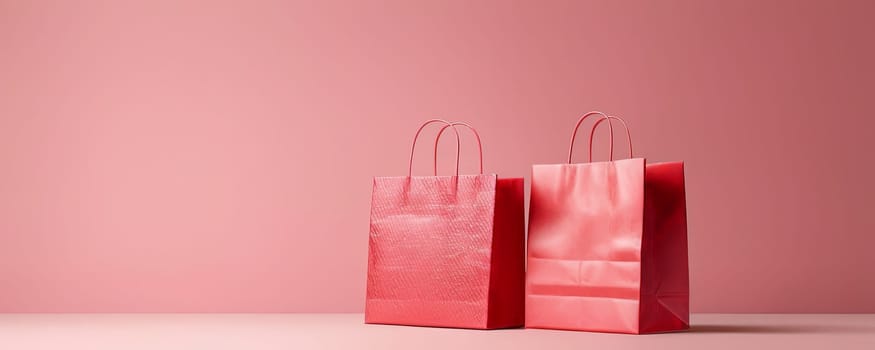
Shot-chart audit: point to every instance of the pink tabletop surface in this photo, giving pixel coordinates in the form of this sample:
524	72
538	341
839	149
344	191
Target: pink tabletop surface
347	331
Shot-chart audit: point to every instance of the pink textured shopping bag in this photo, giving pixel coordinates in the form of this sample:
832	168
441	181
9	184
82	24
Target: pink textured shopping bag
607	246
447	251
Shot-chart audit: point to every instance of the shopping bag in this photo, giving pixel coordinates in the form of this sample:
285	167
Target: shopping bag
607	245
447	251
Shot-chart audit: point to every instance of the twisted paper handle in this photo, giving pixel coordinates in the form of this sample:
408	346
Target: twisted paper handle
415	137
592	134
608	118
473	131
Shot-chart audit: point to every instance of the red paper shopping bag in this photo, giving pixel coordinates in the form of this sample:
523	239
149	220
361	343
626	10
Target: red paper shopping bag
447	251
607	246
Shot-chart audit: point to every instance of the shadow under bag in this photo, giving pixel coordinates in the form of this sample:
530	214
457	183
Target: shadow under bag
447	251
607	246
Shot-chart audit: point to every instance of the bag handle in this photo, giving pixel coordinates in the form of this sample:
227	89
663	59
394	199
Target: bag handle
608	118
473	131
415	137
577	126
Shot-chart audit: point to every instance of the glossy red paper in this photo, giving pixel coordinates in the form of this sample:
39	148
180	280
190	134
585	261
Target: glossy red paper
446	251
607	247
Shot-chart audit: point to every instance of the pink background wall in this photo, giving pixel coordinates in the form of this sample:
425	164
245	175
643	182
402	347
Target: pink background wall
179	156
